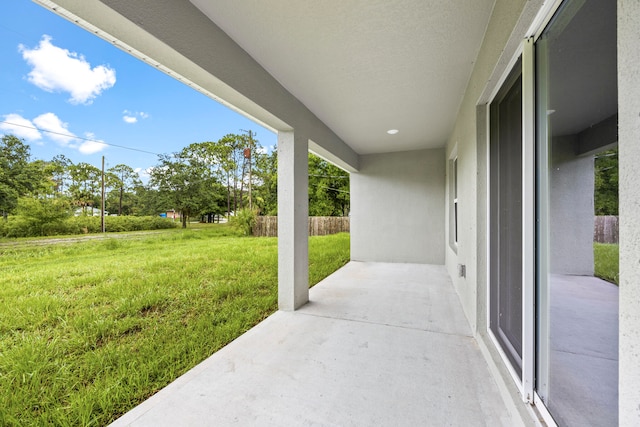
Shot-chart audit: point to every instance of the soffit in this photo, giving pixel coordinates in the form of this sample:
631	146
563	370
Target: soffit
365	66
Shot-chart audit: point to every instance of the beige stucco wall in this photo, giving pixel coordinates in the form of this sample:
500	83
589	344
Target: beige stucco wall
571	225
507	28
509	25
397	207
629	155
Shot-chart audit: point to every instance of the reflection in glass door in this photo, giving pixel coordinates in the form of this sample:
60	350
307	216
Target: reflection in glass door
577	327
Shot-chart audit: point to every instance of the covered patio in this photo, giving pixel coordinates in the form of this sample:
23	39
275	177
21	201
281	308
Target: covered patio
378	344
409	97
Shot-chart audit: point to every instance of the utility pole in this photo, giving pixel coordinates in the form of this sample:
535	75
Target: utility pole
247	155
102	227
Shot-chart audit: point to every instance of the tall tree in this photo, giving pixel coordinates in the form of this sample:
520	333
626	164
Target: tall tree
328	188
230	148
149	201
123	180
18	175
58	170
85	184
266	182
606	183
183	180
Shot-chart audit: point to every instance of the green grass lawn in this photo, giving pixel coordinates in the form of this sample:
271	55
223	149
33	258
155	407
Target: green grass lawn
90	329
606	262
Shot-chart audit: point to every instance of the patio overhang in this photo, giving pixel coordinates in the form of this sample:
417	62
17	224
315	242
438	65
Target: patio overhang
176	38
343	73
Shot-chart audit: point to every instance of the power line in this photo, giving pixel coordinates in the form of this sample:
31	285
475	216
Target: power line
79	137
330	176
334	189
14	31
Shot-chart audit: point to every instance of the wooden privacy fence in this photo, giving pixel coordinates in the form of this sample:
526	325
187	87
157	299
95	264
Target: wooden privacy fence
267	226
605	229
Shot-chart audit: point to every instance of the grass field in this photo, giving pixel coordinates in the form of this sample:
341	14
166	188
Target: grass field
90	329
606	263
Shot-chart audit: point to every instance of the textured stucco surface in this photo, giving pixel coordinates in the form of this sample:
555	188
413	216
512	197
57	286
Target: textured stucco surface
507	28
293	212
185	41
629	155
571	208
397	207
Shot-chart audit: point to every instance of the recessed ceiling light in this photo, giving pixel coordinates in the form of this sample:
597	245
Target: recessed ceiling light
392	131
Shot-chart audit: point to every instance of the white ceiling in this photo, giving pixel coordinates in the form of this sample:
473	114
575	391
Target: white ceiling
365	66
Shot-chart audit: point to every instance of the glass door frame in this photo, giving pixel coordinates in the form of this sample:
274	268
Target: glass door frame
533	333
524	380
541	328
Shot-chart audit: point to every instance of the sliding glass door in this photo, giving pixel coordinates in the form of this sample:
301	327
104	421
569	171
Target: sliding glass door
505	224
577	327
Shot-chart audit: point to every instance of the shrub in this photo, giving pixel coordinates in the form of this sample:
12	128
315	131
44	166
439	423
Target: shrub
42	217
137	223
16	227
32	225
244	220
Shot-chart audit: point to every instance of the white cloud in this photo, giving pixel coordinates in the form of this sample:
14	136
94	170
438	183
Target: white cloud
90	147
144	173
20	127
262	150
132	117
52	127
57	129
57	70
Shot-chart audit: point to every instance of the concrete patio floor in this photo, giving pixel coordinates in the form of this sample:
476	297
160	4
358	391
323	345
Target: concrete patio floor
584	351
378	344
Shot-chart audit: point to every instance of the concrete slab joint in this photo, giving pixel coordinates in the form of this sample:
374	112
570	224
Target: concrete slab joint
293	210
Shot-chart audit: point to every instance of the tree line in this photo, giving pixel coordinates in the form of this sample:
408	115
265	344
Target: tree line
202	179
606	182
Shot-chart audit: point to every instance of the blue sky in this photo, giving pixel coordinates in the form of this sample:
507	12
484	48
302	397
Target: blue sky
56	76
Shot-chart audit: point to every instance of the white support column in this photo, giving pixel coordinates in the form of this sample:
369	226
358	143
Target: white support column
293	228
629	159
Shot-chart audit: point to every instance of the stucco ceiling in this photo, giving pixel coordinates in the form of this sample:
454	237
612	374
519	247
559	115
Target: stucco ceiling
365	66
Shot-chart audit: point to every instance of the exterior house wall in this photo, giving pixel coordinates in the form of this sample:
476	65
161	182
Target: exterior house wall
629	155
572	185
508	27
397	207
